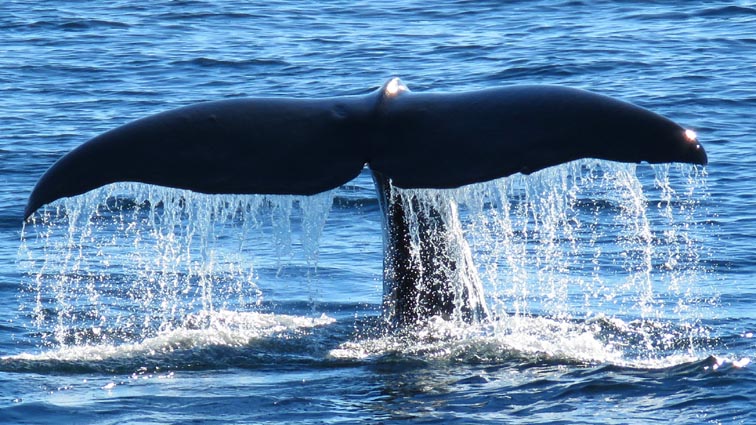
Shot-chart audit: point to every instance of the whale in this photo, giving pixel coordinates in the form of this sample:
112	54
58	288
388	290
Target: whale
407	140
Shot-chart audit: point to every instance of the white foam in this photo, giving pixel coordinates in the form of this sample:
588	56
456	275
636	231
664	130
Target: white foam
507	339
220	329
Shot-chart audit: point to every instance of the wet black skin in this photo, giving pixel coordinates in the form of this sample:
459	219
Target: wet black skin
408	140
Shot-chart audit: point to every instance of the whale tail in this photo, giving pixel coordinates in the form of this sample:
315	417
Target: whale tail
416	140
409	140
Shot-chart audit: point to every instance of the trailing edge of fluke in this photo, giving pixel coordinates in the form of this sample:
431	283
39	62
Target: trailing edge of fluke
416	140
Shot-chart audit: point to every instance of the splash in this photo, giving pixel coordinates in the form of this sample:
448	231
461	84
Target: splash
147	257
206	340
569	241
589	261
584	239
579	263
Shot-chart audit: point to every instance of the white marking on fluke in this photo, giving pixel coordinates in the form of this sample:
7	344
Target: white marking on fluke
691	135
395	86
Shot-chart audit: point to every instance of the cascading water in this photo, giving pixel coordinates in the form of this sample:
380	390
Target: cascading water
148	257
577	261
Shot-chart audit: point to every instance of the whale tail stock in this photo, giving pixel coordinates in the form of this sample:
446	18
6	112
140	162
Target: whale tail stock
409	140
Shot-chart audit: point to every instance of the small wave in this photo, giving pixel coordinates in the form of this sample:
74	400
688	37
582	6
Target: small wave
661	16
205	341
522	339
229	63
251	340
177	16
722	11
78	24
626	382
534	71
564	69
727	11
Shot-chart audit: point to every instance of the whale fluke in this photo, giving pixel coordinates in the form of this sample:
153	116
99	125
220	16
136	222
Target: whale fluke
266	146
417	140
409	140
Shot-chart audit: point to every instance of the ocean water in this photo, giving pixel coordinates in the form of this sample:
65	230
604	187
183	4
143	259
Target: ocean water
620	293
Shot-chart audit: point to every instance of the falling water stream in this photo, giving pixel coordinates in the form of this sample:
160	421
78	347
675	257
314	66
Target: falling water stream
590	261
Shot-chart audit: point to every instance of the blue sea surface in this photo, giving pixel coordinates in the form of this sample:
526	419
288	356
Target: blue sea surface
621	293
